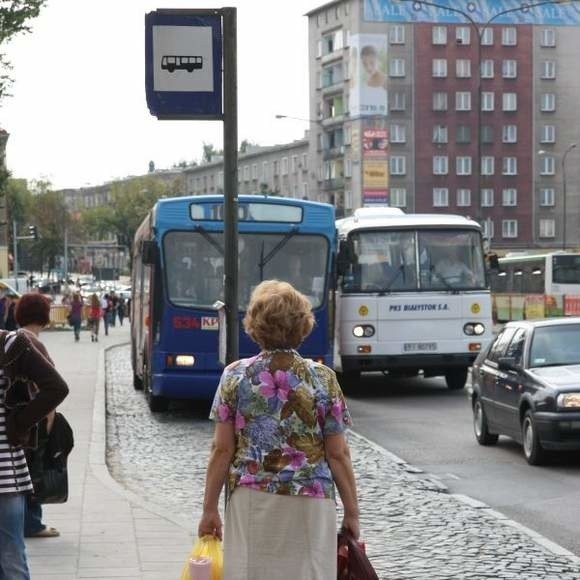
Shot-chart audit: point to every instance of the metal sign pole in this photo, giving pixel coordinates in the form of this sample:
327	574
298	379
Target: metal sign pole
231	182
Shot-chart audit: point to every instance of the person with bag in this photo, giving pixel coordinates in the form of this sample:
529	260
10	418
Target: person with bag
76	314
95	317
280	443
21	363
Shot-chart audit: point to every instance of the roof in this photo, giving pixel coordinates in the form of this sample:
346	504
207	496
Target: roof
323	7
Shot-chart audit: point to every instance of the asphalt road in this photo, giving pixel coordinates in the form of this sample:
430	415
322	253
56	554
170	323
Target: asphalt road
430	427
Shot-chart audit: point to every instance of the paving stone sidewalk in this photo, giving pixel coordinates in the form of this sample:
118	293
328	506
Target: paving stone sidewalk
413	528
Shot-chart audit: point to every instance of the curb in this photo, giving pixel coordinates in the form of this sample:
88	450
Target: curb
98	451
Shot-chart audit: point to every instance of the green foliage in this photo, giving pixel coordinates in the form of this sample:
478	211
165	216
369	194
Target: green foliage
14	18
18	200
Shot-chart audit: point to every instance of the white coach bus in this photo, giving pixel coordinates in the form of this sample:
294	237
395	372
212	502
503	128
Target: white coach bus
412	295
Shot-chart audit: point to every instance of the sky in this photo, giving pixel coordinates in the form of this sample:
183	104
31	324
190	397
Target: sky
78	114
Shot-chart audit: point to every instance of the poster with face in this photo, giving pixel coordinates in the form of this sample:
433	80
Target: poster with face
368	65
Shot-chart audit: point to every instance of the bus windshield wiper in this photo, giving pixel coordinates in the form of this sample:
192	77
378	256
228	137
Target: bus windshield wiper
265	259
210	239
387	288
442	279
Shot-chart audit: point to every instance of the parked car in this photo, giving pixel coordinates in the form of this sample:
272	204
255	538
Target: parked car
526	384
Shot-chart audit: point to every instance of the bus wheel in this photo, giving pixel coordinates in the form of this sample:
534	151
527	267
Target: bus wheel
156	403
456	379
348	380
137	383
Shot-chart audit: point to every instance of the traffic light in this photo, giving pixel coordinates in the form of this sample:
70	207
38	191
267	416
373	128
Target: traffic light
32	232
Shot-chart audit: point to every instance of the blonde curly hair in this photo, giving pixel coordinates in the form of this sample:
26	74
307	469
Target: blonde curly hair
278	316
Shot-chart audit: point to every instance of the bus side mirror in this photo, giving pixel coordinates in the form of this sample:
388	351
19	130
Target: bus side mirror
149	252
343	260
493	262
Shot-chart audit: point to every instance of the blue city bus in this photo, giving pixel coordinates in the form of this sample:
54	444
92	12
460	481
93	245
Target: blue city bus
178	273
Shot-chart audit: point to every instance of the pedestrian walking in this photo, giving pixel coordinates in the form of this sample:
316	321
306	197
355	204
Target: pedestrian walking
121	305
95	317
106	312
114	300
19	358
76	314
32	316
279	442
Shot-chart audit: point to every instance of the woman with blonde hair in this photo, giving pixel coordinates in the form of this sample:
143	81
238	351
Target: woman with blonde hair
279	442
94	317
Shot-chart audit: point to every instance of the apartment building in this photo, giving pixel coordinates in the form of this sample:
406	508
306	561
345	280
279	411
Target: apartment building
420	108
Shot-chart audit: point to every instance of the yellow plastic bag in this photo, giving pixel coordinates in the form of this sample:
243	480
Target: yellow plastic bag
210	547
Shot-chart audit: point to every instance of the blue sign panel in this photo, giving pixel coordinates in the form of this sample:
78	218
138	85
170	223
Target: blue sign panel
183	66
483	11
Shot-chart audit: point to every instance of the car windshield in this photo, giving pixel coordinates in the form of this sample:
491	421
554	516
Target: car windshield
555	345
408	260
194	265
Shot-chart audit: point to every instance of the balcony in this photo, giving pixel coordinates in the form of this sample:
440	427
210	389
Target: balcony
333	184
332	87
332	152
334	120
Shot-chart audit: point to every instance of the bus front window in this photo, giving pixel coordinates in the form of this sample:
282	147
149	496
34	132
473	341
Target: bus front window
451	260
566	269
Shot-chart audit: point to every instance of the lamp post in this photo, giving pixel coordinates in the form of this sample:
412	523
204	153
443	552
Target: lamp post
480	29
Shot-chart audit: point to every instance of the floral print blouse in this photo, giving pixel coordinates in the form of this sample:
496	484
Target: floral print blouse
281	406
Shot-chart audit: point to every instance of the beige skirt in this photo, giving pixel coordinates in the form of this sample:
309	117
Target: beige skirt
268	536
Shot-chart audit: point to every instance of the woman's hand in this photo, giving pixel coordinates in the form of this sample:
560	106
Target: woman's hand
351	525
210	524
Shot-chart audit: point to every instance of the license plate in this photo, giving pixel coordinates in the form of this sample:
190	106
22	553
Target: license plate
419	346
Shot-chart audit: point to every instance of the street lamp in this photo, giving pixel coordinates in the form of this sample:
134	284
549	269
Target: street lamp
480	29
564	189
315	121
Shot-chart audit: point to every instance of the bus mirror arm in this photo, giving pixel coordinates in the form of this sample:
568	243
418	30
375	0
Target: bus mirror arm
343	259
149	252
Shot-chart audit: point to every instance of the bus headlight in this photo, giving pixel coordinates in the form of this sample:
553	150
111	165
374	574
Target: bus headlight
474	329
182	360
363	330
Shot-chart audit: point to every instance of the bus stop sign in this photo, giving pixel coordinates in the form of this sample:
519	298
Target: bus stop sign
183	66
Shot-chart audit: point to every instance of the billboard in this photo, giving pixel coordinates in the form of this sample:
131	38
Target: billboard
479	10
375	197
368	66
375	174
375	143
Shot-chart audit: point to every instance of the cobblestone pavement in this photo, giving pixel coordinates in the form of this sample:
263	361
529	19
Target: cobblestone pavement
412	527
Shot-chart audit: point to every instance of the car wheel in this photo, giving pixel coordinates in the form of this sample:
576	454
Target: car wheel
533	450
480	426
456	379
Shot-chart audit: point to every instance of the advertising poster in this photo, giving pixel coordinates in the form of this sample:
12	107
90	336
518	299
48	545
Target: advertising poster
368	66
375	197
375	175
375	143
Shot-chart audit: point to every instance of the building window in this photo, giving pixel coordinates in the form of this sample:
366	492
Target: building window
440	134
462	101
463	134
305	190
439	101
254	171
397	165
332	42
547	197
510	134
509	69
398	197
348	167
487	101
510	102
487	197
487	165
398	101
548	70
398	134
548	102
462	35
509	228
397	67
440	197
509	36
265	171
294	163
463	166
284	165
488	229
463	68
246	173
509	166
487	69
440	165
547	165
397	35
548	38
510	197
547	229
487	36
463	197
439	34
439	67
548	134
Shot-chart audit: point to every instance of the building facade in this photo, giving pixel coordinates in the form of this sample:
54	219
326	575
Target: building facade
285	170
437	110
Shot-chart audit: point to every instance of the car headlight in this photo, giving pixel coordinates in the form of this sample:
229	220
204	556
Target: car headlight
363	330
474	329
569	400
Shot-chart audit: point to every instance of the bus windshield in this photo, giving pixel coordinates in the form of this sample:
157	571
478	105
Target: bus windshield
566	269
410	260
194	265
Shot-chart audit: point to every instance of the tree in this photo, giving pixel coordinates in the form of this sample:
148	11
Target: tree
245	145
209	151
14	18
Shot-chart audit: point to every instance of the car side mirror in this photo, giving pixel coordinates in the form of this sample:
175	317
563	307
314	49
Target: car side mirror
508	363
493	262
343	259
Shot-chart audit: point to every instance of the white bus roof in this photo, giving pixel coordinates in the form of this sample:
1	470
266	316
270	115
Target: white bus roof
403	220
530	256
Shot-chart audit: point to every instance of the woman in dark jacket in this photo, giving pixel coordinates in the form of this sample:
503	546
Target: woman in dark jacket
20	358
76	314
